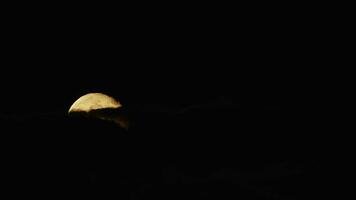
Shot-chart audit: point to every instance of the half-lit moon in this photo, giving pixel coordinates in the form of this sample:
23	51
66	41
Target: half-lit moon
94	101
100	106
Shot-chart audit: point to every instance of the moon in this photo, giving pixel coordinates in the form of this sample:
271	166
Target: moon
101	106
94	101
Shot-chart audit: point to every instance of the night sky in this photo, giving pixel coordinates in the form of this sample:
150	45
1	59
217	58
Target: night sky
207	121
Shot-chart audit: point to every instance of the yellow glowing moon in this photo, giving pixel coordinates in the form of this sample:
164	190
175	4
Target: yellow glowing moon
96	105
94	101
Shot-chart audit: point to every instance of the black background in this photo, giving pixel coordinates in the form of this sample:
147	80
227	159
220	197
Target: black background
260	65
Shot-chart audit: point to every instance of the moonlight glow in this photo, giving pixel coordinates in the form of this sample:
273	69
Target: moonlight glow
94	101
97	105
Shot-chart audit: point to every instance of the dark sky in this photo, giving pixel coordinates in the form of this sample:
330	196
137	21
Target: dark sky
50	61
46	65
47	72
44	90
261	64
